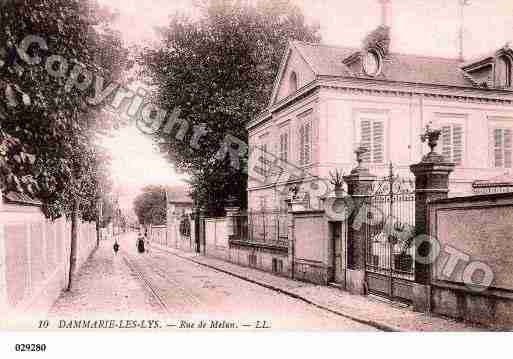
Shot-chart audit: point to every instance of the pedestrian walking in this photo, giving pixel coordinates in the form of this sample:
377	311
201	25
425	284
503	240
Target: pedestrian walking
146	242
116	247
140	243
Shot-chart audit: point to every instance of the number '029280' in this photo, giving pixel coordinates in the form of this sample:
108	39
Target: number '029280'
30	347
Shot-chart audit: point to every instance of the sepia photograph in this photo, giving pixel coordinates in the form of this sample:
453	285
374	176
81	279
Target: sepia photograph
186	169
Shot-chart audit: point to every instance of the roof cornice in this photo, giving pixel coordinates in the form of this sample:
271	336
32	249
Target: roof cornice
377	85
266	115
381	87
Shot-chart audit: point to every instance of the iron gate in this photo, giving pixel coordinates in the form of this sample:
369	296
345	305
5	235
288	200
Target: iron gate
390	262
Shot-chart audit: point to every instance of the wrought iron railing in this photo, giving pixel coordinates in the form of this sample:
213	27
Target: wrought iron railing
265	226
493	188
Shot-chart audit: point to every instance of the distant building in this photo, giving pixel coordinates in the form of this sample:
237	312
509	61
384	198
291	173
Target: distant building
179	222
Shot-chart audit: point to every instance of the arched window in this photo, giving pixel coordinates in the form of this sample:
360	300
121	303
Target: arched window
293	85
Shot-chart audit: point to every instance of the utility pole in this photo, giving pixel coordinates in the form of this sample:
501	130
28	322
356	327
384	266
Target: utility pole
462	5
386	17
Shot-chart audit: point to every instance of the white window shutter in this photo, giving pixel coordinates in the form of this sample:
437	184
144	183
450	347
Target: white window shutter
447	143
301	144
497	148
285	146
378	142
266	159
457	144
308	143
365	139
372	137
507	147
305	143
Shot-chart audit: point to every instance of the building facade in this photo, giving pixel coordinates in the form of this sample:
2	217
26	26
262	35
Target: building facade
329	100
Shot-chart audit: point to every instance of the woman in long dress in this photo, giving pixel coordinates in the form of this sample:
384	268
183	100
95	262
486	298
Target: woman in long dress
140	243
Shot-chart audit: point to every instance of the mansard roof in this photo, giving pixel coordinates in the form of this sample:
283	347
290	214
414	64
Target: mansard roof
340	61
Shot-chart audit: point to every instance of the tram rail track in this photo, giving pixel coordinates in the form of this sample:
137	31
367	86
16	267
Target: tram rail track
147	284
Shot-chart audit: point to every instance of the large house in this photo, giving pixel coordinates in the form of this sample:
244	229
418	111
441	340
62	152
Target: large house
328	100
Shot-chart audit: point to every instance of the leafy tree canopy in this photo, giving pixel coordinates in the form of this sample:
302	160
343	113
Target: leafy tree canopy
219	70
150	206
47	129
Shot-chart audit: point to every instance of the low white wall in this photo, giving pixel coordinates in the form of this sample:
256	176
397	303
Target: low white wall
157	234
34	259
216	232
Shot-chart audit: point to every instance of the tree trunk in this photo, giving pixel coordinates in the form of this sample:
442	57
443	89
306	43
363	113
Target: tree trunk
73	244
98	233
98	224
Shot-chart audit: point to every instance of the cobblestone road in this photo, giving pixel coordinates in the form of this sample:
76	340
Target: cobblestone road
161	284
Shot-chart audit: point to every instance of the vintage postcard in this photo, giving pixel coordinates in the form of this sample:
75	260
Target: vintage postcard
255	166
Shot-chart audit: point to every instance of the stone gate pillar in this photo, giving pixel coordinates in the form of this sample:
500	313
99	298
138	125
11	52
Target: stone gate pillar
291	239
431	183
232	216
359	183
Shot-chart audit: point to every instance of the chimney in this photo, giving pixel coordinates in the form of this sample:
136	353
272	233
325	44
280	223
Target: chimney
461	39
386	9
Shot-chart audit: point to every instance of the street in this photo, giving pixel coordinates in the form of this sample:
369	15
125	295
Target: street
160	284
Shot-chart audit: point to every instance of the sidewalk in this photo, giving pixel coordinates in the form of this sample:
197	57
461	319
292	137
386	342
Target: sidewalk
106	286
366	310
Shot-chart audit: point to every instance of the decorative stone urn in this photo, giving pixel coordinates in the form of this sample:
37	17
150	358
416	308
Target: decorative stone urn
360	168
297	202
337	180
431	136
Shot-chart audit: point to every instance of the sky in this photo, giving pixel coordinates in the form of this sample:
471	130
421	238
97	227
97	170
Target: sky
136	163
424	27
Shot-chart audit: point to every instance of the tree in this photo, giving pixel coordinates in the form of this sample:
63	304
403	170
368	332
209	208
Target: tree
107	211
48	127
219	71
150	206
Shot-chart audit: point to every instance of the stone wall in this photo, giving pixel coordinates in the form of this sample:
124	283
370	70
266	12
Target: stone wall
311	247
159	235
216	238
266	259
34	258
478	229
221	243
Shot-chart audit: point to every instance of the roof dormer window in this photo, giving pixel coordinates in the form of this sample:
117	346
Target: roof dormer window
372	63
503	72
293	83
